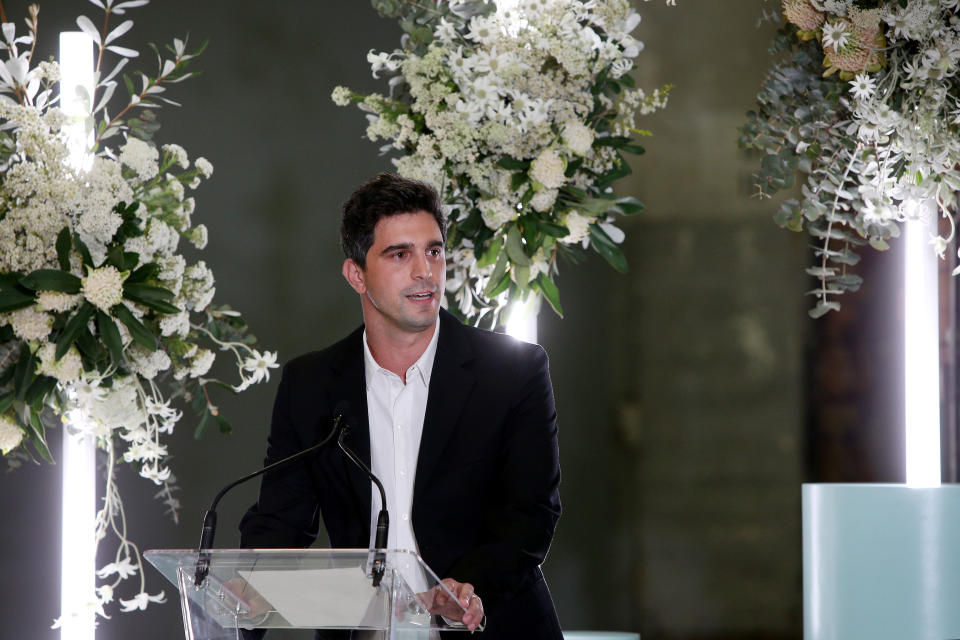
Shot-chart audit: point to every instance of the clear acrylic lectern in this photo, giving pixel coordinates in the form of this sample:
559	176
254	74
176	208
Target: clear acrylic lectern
248	589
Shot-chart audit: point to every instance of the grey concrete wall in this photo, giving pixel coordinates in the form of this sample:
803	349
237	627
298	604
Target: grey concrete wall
679	385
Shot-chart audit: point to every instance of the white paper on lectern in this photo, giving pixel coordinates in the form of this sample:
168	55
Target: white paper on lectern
317	598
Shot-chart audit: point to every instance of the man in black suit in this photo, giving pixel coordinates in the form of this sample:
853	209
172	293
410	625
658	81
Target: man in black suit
483	502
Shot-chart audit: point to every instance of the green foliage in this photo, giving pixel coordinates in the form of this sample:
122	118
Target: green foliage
801	128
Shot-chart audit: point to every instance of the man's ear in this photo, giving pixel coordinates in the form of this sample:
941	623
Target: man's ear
353	273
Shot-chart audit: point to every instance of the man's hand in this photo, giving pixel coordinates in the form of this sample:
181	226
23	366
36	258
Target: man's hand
447	607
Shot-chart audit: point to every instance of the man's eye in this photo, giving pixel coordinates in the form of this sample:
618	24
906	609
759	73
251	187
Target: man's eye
400	255
436	253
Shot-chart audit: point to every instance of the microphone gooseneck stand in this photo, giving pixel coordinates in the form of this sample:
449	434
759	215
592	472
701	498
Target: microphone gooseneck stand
210	518
383	518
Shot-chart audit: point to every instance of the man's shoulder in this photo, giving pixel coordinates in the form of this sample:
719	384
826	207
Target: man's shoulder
334	356
485	345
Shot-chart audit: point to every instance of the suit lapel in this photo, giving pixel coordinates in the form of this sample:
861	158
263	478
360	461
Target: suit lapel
351	387
451	383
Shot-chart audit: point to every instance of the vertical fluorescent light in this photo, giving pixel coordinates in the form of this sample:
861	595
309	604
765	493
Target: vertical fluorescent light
522	319
76	91
922	353
78	460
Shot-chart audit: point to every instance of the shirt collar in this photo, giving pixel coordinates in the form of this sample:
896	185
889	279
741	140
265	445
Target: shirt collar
423	367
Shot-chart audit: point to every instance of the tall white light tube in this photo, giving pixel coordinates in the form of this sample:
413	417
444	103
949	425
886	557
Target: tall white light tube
922	354
78	460
76	91
522	319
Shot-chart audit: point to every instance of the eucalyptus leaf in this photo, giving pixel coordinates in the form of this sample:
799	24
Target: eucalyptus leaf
603	245
629	205
496	287
198	431
498	275
550	293
489	256
515	247
38	437
822	308
223	424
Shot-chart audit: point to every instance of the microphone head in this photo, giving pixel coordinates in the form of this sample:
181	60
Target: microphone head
342	411
343	416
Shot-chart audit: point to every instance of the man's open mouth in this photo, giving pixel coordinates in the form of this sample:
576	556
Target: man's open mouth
421	296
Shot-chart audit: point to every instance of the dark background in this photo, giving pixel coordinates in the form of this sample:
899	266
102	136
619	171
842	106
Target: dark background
682	388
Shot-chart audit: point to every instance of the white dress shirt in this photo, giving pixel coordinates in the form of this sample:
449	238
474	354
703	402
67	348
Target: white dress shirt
395	411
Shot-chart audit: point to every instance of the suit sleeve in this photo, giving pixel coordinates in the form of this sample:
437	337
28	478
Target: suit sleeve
523	513
286	514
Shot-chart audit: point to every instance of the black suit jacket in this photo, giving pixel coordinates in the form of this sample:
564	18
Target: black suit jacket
485	500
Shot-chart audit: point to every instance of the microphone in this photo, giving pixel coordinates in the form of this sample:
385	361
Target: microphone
210	518
383	518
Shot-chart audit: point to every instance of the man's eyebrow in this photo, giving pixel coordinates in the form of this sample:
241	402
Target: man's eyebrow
407	246
397	247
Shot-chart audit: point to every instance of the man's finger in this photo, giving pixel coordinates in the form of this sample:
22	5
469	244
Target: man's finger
474	613
466	592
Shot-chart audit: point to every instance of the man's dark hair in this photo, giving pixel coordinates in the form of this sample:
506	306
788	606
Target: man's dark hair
383	196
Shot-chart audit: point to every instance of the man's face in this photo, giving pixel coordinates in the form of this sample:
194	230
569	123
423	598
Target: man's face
405	273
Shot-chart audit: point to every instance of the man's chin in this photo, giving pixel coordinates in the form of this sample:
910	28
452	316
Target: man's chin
422	320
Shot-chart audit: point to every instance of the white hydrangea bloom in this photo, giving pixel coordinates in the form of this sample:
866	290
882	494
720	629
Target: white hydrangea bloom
171	267
543	200
198	236
140	156
175	187
161	238
340	96
496	213
10	434
200	364
579	227
148	363
31	324
57	301
204	167
103	287
198	286
175	324
67	370
578	137
179	154
548	169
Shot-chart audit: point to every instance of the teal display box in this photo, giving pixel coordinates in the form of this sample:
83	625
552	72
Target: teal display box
881	562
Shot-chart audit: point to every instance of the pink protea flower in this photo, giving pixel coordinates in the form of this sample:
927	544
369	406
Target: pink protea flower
853	45
803	14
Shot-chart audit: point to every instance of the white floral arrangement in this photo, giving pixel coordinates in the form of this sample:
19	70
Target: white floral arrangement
103	322
863	100
519	113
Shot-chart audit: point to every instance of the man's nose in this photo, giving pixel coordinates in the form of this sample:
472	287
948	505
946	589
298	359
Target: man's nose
421	267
